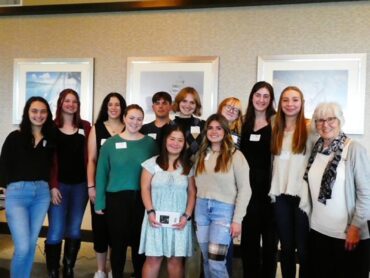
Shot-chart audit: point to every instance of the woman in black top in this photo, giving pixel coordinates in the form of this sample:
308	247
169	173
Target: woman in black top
259	220
69	190
25	165
108	123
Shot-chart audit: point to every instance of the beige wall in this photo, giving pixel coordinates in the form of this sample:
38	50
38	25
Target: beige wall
236	35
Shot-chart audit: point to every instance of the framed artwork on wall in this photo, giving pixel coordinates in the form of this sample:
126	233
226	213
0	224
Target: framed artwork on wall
48	77
339	78
148	75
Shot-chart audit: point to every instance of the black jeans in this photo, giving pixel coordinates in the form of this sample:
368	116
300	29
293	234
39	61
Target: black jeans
125	211
293	230
100	231
329	259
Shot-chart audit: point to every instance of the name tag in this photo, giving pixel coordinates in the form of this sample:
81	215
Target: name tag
284	155
102	141
255	137
121	145
153	135
207	156
195	129
81	131
44	142
235	138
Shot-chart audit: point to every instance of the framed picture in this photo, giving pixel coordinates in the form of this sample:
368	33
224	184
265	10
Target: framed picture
148	75
336	78
47	78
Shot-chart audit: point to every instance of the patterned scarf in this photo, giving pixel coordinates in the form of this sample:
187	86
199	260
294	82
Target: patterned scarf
330	173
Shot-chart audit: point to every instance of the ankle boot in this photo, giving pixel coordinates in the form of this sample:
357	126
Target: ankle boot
71	248
52	253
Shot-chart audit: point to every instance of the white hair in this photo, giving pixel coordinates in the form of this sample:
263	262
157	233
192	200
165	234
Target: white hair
327	109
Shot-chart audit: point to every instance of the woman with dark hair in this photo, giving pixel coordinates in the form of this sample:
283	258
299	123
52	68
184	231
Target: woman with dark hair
223	193
69	190
291	147
118	188
25	166
259	221
167	185
108	123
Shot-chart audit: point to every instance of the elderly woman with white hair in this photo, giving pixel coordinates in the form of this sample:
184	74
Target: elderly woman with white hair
338	175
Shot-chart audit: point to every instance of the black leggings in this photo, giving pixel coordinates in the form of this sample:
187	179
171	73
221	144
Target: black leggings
125	212
100	231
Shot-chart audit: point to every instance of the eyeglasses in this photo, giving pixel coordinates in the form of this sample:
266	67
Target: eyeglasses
329	120
233	109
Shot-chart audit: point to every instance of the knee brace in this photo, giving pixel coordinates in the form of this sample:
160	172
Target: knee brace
217	251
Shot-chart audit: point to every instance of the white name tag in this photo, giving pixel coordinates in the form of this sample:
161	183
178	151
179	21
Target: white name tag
207	156
121	145
44	142
195	129
153	135
81	131
235	138
255	137
102	141
284	155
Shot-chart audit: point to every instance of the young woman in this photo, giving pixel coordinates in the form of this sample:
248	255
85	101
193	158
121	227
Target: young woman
108	123
259	220
69	190
223	193
290	150
187	105
25	164
118	188
167	186
231	109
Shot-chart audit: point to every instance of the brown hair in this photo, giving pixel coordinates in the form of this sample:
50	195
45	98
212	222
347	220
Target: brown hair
300	133
59	121
236	125
227	149
181	95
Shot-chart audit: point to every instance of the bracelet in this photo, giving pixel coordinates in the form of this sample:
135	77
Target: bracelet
91	186
188	217
150	211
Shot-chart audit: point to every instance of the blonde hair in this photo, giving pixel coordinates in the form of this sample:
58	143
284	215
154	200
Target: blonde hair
236	125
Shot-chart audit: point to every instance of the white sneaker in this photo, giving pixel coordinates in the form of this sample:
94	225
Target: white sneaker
110	275
100	274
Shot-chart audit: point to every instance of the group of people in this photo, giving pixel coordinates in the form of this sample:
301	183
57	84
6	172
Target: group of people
267	176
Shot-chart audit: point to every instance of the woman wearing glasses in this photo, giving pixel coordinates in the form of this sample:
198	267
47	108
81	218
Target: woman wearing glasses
338	174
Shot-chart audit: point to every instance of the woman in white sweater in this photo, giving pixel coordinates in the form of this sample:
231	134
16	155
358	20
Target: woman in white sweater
223	193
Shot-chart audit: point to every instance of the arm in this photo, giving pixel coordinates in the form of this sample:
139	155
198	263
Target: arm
146	179
102	178
6	161
91	164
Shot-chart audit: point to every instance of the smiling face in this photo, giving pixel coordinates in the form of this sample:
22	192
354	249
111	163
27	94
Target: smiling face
187	106
133	120
38	113
328	127
114	108
261	100
215	133
230	111
291	103
70	104
175	142
161	108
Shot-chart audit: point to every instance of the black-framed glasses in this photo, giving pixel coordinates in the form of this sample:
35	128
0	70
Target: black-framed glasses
329	120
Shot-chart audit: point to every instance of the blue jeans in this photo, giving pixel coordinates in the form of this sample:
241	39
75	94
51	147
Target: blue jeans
213	219
293	230
26	205
65	219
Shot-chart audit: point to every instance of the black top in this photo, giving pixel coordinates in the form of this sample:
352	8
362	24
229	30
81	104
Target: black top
101	134
151	128
71	157
256	147
21	161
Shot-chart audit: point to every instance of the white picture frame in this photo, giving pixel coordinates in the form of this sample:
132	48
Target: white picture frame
148	75
337	78
48	77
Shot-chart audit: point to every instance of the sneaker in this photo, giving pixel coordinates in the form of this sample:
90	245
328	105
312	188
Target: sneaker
100	274
110	275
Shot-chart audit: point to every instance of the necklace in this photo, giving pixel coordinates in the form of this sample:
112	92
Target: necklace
113	129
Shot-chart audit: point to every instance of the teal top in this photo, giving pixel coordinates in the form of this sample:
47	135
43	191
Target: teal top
119	165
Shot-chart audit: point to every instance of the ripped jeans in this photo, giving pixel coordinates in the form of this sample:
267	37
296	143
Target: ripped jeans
213	219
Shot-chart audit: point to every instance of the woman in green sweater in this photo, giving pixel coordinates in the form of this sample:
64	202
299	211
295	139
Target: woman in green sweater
118	188
223	193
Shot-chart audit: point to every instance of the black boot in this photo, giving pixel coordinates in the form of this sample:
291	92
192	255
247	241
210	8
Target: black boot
52	252
71	247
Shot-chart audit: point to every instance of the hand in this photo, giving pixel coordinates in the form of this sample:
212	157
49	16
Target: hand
152	221
92	194
235	229
353	238
100	212
3	189
181	224
56	197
